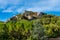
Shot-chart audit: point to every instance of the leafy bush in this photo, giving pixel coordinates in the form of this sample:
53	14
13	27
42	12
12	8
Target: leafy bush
37	31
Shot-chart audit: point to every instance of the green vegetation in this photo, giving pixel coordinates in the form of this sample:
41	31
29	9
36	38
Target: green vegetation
38	29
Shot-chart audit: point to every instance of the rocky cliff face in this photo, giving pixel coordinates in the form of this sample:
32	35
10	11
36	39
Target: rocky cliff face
28	15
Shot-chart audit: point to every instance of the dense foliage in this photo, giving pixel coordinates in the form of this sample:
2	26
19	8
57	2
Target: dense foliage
39	29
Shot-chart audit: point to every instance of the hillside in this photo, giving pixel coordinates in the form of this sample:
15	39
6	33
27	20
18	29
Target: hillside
30	26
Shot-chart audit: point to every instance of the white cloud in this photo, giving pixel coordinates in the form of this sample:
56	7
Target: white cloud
5	3
48	5
38	9
7	10
45	5
19	10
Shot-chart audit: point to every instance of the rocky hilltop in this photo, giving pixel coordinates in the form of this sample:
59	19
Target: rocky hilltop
28	15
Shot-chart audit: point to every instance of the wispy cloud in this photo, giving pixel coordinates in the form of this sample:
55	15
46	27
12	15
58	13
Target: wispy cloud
37	5
47	5
7	11
33	5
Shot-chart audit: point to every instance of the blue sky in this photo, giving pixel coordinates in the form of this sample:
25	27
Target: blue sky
9	8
